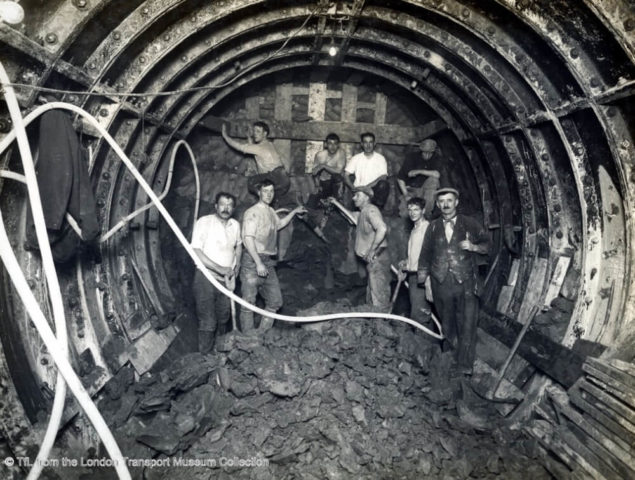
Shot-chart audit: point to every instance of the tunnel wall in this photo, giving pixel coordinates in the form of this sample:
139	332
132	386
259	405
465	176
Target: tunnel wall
538	93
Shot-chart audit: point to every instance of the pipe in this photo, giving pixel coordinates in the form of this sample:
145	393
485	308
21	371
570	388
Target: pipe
48	266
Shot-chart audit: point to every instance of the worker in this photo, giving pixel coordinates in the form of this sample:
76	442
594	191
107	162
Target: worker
448	256
258	267
267	159
419	305
369	169
371	245
328	166
420	175
216	241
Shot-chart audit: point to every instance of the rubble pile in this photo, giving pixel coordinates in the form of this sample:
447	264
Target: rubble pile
345	399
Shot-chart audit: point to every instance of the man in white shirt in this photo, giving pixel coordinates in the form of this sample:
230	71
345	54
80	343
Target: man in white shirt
267	159
419	306
370	170
216	240
258	270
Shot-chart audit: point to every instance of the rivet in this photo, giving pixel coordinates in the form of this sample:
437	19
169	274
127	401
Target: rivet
611	112
142	59
167	37
145	11
574	53
629	24
184	58
105	175
426	53
487	68
594	82
51	38
92	66
116	35
103	112
557	207
491	30
101	203
579	150
465	13
44	361
559	234
80	3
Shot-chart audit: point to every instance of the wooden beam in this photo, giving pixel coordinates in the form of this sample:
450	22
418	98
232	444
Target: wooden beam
553	359
317	131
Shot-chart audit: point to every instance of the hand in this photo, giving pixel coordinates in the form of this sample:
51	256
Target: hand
236	270
369	257
413	173
230	282
401	275
402	265
224	129
421	277
466	245
300	210
329	200
261	269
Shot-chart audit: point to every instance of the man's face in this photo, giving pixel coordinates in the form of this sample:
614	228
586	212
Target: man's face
447	203
359	199
414	212
259	134
332	146
225	207
426	155
266	194
368	145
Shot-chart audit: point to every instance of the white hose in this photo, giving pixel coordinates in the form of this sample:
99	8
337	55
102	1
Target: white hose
179	235
55	294
168	181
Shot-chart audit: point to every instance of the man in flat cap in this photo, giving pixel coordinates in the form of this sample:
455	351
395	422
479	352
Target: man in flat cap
420	175
371	245
448	256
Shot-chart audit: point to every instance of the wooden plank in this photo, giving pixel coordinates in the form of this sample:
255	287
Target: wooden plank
252	106
282	111
623	366
504	298
317	101
591	462
593	408
600	452
551	358
348	132
620	449
381	103
349	105
609	405
615	387
559	273
619	374
535	287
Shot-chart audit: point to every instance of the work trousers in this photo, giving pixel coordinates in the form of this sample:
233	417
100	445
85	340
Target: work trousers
381	190
251	285
419	305
212	310
378	289
457	305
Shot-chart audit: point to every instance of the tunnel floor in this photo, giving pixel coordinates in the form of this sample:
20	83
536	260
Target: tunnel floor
337	400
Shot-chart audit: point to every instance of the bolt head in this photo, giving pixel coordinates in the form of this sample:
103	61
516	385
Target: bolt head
51	38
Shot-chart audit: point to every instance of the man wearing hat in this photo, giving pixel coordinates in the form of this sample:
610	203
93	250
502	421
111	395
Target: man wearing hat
420	175
371	245
448	256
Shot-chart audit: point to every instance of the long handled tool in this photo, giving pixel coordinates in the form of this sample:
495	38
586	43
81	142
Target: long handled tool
395	293
512	352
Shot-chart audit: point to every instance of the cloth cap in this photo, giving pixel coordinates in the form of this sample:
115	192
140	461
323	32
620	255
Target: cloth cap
443	190
366	189
428	145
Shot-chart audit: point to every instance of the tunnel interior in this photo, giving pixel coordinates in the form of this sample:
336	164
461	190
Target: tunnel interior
531	103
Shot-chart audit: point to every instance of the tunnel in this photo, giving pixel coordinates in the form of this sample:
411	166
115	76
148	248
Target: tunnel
531	103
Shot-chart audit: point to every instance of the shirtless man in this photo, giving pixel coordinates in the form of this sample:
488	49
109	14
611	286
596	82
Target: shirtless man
267	158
